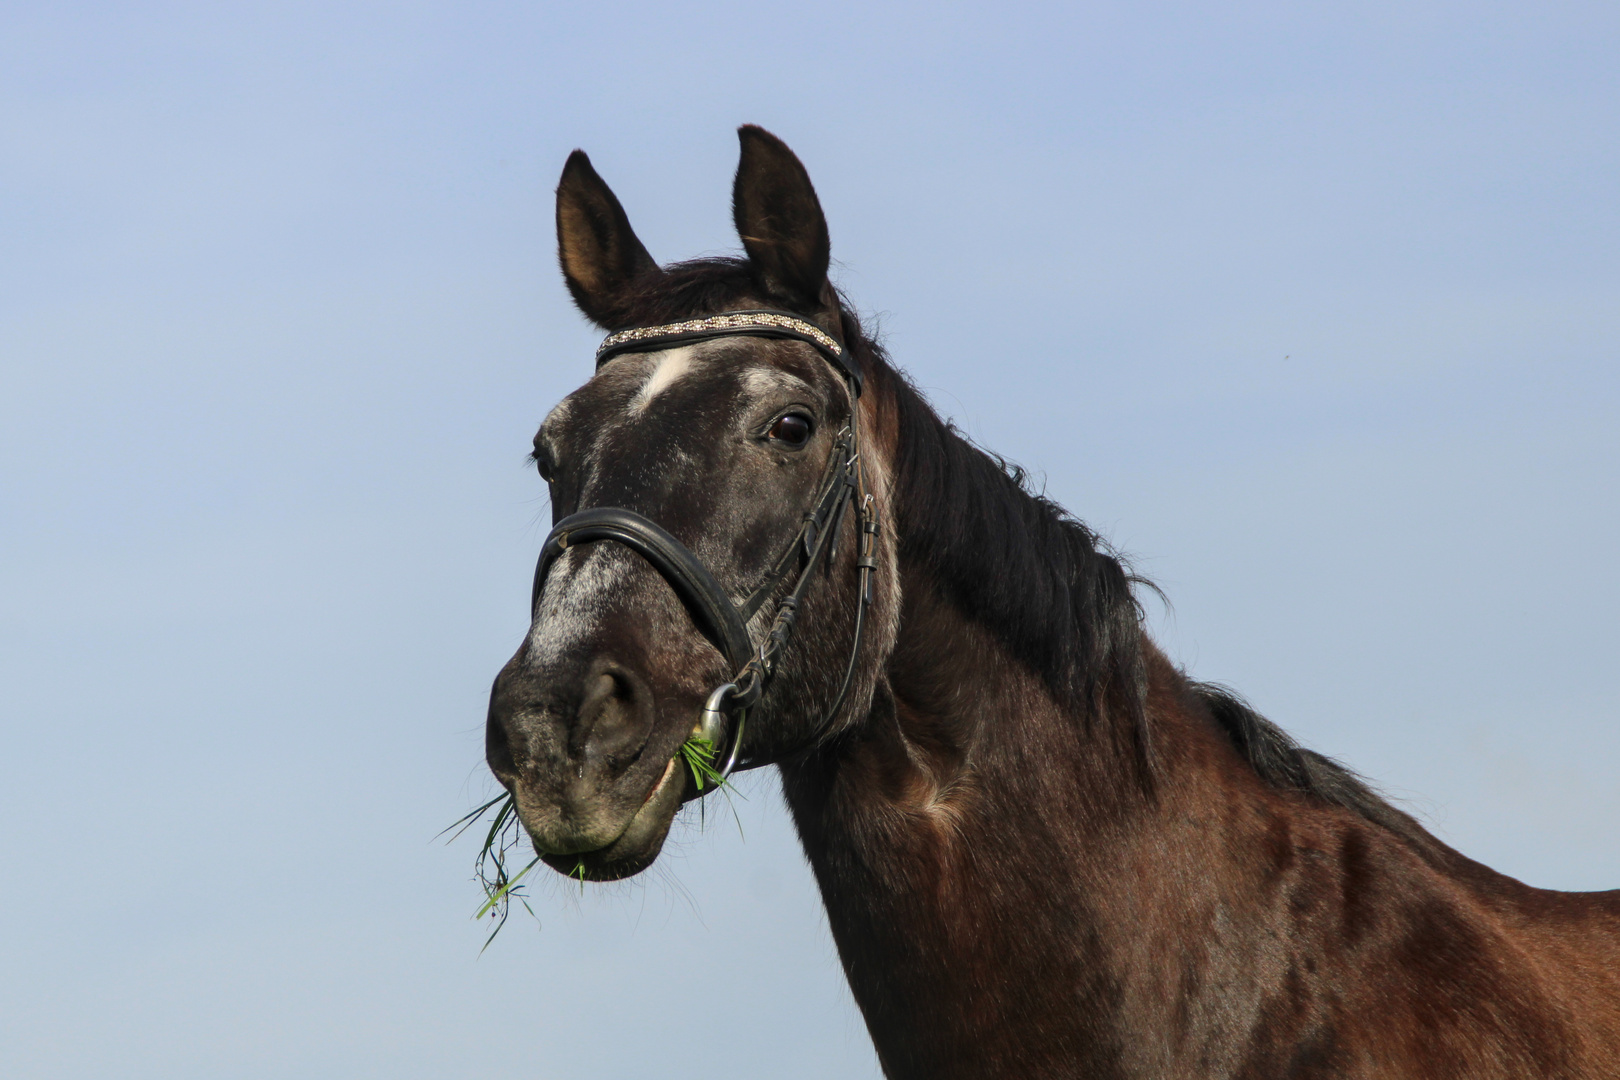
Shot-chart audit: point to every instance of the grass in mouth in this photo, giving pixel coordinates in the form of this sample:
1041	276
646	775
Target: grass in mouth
493	867
699	754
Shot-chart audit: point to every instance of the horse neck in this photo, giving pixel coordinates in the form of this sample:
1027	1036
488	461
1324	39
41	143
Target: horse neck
989	861
1000	849
1026	880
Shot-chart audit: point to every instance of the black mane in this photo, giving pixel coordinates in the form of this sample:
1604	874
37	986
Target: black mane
1283	763
1057	597
1018	563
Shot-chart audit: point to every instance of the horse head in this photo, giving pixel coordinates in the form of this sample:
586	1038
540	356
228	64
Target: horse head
723	581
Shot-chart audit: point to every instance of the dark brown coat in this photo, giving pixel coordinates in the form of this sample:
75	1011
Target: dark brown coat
1044	851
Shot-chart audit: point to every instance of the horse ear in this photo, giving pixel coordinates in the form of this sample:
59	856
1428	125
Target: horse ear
779	219
599	252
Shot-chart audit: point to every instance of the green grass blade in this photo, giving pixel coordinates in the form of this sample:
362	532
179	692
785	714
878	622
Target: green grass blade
501	893
466	823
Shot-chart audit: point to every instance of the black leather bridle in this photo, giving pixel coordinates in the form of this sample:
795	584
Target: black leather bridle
722	621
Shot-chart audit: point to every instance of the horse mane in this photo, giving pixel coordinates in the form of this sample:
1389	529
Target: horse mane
1283	763
1049	588
1013	560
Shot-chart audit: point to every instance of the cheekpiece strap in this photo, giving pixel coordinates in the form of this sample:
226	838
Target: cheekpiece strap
774	324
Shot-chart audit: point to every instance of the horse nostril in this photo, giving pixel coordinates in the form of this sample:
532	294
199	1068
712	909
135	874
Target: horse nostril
615	716
497	742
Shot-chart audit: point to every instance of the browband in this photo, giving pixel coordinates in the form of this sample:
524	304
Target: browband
776	324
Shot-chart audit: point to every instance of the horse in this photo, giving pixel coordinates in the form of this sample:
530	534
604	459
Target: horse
1043	849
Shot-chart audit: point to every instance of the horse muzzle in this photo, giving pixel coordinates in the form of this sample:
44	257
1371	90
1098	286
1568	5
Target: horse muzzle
593	773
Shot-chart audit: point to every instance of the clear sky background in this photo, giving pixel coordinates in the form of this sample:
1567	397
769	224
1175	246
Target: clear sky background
1314	311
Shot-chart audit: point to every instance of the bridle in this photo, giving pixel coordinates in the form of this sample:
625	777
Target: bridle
722	621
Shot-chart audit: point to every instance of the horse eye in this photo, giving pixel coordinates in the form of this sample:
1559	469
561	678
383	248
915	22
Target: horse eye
792	429
542	462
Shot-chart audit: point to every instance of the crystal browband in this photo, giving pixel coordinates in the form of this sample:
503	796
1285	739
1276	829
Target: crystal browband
777	324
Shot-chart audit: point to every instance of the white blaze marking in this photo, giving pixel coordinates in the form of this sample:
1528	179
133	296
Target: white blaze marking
672	365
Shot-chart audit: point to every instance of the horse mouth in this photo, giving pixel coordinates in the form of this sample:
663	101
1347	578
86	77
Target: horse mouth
637	844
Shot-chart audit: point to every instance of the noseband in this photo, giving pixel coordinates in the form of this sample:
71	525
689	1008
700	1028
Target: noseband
723	622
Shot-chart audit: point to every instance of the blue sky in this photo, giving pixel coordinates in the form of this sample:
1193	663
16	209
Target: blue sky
1314	311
